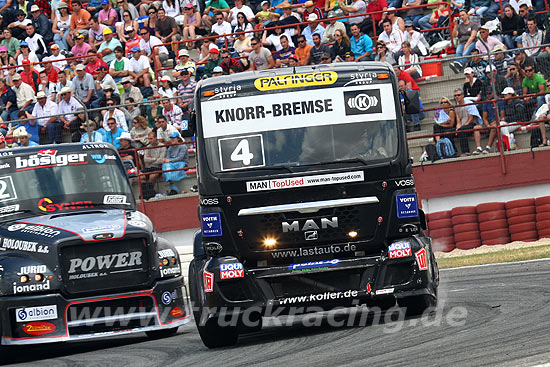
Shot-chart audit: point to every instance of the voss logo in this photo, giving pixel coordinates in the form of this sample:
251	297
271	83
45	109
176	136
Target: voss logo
404	183
362	101
207	201
49	158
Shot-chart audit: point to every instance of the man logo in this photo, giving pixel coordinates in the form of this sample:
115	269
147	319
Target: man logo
362	101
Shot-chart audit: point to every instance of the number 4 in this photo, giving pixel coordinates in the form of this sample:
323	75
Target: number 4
242	153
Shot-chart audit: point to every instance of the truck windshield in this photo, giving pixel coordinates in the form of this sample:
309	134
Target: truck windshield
301	128
57	181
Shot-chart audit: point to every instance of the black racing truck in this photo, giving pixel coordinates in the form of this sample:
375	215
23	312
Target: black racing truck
306	198
77	260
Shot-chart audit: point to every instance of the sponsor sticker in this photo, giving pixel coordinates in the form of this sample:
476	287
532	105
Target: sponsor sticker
362	102
209	201
137	223
115	262
231	271
22	245
384	291
36	313
174	270
296	80
399	249
104	228
326	296
211	224
314	265
33	269
39	328
176	311
101	158
312	251
30	288
34	229
166	298
305	181
404	182
208	281
115	199
421	259
166	253
47	205
5	165
407	206
49	158
9	210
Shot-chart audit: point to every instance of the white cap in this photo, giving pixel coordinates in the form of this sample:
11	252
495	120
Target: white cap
312	17
508	90
66	90
20	131
468	70
40	95
35	8
183	52
125	135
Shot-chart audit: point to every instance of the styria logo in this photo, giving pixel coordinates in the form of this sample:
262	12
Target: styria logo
362	101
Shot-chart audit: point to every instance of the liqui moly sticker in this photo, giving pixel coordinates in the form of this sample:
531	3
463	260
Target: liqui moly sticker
231	271
305	181
399	249
421	259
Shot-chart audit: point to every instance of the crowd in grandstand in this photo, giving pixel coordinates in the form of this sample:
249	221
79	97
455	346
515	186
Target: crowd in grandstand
59	56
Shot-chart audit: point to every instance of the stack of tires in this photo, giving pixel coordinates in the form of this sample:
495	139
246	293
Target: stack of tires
521	216
465	227
493	225
441	231
542	206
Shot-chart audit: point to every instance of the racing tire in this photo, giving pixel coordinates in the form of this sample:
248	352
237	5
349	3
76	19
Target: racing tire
468	245
460	210
467	236
543	208
493	234
438	215
543	200
492	225
490	207
544	233
523	210
542	216
494	215
440	224
497	241
522	219
543	225
211	333
523	227
529	236
441	233
161	334
520	203
464	219
418	305
466	227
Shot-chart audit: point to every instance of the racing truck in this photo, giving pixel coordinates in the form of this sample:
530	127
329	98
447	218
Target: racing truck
77	259
306	198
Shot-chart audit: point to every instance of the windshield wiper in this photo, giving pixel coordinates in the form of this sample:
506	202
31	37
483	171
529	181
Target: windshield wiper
274	168
9	216
350	160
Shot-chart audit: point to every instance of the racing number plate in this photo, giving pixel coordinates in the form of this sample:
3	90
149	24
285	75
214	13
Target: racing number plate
241	152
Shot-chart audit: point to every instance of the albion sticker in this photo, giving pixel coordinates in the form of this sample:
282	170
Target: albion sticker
34	229
296	80
36	313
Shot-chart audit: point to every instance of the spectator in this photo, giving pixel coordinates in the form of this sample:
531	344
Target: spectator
132	40
359	7
260	58
361	44
467	118
46	86
218	71
302	52
472	86
243	23
414	14
131	111
512	27
289	17
109	45
172	113
240	8
439	16
62	82
221	27
5	59
391	37
414	118
523	60
383	54
127	23
91	135
26	53
50	125
24	95
59	61
41	24
29	75
177	157
81	48
93	63
265	15
340	47
19	26
107	15
109	92
166	28
186	90
214	61
409	61
140	68
79	22
84	85
36	42
477	64
542	116
418	43
514	78
242	44
8	101
213	8
115	114
130	91
172	8
113	132
153	160
125	142
466	31
232	66
525	13
147	45
95	35
151	22
486	43
103	81
513	109
397	22
140	132
11	43
531	84
120	66
498	80
67	105
446	119
191	24
479	7
335	25
425	22
22	137
502	59
533	38
320	53
183	63
167	89
313	28
273	41
402	75
164	129
74	127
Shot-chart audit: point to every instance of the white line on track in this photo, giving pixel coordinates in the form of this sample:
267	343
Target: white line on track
497	264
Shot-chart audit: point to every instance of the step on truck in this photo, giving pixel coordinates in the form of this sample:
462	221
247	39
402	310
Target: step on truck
77	259
306	198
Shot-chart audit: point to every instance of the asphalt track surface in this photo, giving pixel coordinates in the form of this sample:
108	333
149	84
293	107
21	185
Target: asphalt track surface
500	316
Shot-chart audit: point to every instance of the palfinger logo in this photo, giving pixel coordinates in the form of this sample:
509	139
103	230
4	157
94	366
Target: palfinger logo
296	80
363	102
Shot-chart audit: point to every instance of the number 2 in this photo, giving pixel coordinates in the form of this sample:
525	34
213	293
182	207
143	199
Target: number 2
241	153
3	188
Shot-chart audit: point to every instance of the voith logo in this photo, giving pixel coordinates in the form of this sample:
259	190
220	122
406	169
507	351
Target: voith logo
362	102
47	205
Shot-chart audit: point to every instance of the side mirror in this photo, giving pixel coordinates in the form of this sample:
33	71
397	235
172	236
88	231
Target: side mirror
130	168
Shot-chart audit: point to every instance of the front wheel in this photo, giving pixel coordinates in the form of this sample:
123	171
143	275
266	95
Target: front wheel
417	305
